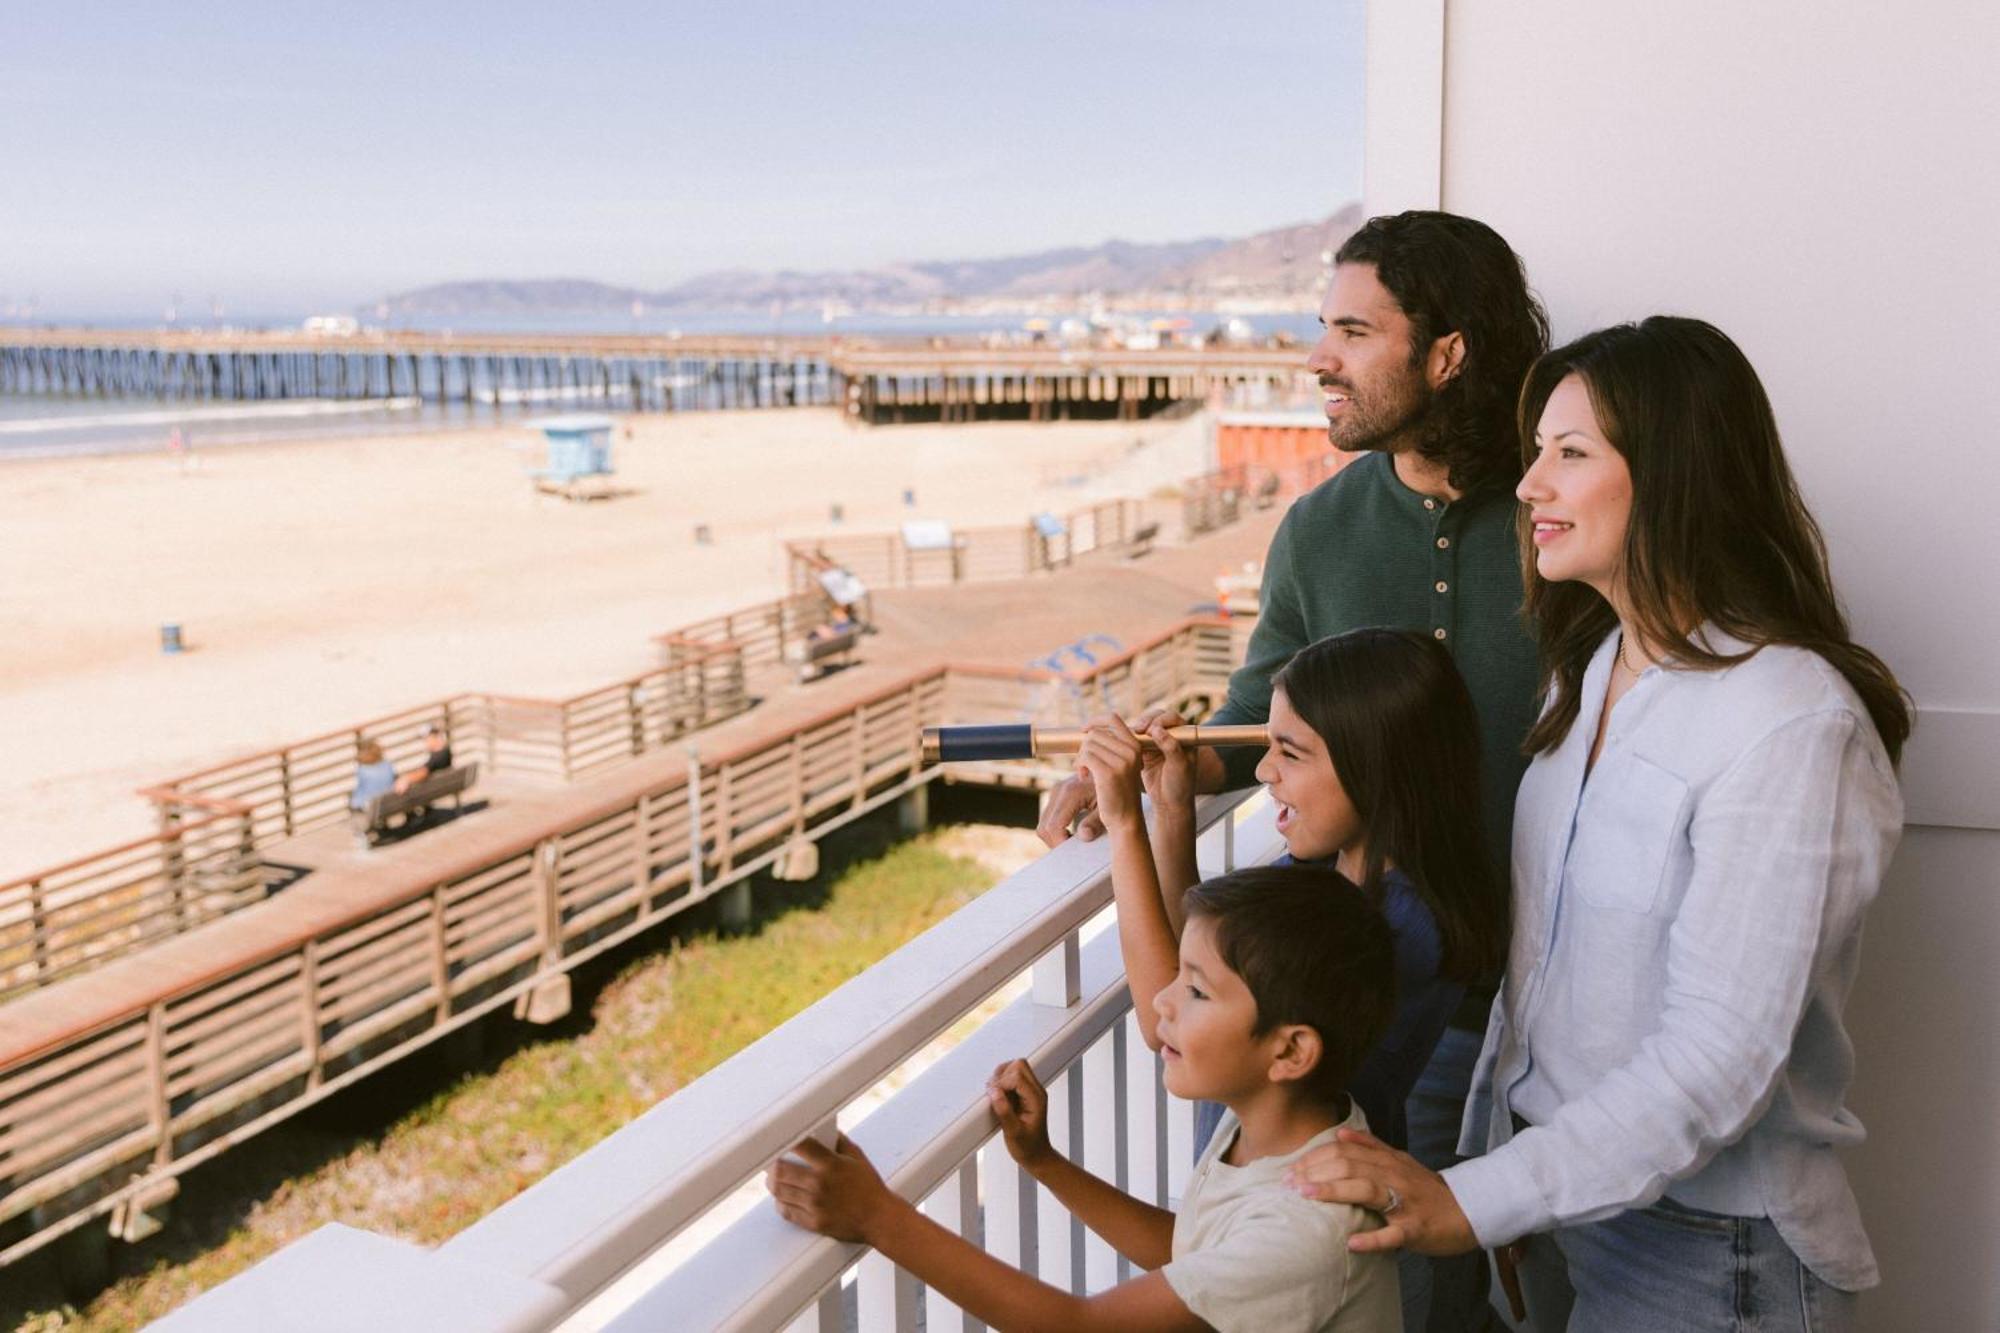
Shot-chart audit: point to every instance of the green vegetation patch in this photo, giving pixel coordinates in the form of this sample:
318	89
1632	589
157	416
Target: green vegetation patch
659	1020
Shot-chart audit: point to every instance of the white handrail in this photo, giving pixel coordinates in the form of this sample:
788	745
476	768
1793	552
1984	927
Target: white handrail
546	1258
595	1217
916	1139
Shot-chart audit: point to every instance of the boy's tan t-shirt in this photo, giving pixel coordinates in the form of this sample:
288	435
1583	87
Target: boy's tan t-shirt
1249	1253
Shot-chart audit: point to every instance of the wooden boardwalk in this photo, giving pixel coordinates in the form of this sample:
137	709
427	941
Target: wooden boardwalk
115	1080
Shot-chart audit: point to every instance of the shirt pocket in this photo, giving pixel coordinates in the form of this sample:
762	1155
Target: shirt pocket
1625	832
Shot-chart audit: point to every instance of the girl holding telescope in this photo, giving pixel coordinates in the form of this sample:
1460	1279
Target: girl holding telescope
1373	762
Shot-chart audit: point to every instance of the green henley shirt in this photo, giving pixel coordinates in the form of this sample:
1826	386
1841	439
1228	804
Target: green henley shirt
1362	549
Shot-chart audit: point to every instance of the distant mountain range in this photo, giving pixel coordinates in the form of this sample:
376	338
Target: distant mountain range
1277	269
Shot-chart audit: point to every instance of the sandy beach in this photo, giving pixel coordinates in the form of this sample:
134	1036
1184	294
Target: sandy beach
321	584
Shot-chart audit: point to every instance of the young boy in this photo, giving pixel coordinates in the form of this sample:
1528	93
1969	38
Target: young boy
1265	1017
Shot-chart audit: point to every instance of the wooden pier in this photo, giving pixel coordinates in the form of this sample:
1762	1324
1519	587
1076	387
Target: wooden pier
874	382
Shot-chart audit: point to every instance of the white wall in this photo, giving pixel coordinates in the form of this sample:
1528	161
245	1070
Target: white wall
1817	179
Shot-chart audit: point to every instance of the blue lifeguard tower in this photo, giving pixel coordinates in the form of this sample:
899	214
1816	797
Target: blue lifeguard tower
579	448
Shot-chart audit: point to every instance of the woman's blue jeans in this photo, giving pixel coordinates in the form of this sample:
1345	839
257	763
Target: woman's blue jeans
1674	1269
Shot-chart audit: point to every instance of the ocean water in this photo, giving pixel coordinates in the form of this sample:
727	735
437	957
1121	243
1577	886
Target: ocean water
51	426
46	426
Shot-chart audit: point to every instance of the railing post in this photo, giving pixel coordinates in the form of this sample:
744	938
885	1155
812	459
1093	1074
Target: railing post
798	772
955	1207
39	923
1010	1209
309	1006
285	786
725	832
1058	975
691	693
247	861
440	954
173	860
548	875
886	1297
161	1108
857	739
734	693
696	857
492	734
547	997
562	738
1102	1070
635	718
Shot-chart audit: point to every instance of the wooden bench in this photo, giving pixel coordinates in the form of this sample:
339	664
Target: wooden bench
452	782
820	653
1141	542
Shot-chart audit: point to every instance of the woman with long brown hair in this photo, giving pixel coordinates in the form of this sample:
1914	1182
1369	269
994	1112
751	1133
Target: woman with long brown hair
1707	815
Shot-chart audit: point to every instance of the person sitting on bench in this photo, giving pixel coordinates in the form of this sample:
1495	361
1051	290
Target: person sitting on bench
437	759
848	594
373	777
837	625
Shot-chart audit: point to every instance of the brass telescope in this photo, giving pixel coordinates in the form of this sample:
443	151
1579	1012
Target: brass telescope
1025	740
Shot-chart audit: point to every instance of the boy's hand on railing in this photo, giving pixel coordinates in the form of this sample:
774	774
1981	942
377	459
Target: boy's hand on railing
835	1192
1167	773
1110	757
1021	1105
1071	810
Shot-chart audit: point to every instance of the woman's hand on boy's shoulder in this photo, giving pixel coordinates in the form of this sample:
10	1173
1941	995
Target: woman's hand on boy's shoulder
1021	1104
1110	755
834	1191
1419	1211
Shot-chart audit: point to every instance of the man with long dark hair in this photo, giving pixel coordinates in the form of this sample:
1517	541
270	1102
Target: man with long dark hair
1429	330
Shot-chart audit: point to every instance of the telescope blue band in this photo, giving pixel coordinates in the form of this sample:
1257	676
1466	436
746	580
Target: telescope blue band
1013	741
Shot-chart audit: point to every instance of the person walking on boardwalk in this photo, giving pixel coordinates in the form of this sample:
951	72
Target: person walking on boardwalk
1430	328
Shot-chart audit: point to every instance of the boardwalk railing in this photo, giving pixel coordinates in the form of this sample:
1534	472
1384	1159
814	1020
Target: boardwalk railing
1213	501
1208	502
58	921
761	634
701	684
295	787
600	1237
191	1049
976	555
305	785
204	862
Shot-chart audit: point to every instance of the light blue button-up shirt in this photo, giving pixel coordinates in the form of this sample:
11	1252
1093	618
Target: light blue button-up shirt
1687	924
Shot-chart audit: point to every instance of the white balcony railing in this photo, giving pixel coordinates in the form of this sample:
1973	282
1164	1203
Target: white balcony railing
626	1236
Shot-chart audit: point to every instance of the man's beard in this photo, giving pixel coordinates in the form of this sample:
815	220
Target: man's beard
1393	426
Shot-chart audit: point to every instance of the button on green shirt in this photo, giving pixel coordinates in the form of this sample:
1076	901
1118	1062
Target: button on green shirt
1362	549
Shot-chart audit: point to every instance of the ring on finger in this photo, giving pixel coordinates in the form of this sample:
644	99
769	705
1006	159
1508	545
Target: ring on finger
1395	1201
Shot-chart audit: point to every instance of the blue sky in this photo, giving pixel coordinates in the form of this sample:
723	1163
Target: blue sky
292	156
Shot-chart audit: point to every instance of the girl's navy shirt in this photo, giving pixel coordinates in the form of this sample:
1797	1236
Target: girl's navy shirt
1424	1005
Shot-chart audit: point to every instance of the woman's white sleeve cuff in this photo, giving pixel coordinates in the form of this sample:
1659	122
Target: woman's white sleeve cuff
1498	1197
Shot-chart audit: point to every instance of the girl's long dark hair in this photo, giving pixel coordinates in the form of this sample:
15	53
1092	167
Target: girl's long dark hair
1400	727
1718	533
